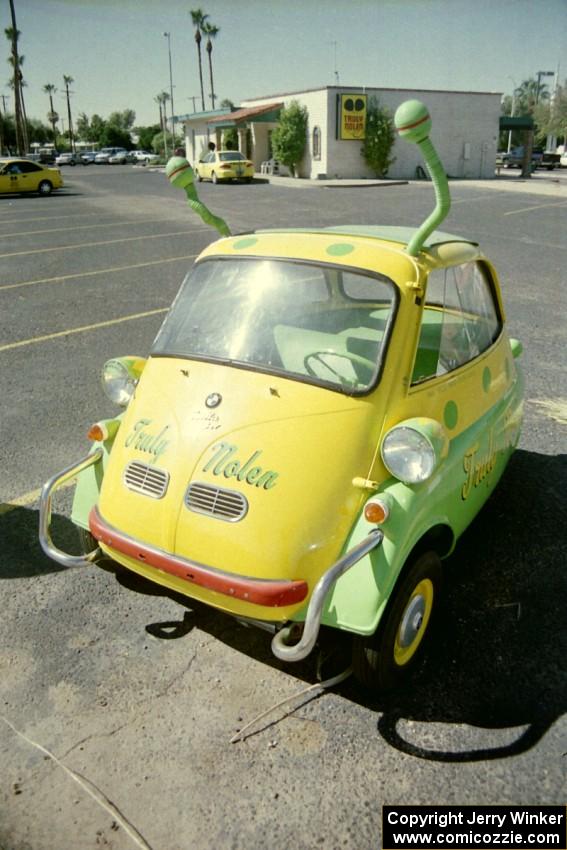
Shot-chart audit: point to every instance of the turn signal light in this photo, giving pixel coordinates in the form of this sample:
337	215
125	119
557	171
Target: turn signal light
376	512
97	433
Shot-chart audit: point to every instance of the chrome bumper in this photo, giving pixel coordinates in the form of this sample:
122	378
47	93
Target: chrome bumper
300	650
49	488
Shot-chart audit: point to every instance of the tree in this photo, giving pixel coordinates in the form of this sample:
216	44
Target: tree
551	115
528	94
198	19
68	81
379	138
52	116
123	120
146	135
289	137
211	32
13	34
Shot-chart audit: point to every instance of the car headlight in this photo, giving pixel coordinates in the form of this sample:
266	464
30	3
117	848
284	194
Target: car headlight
119	378
412	450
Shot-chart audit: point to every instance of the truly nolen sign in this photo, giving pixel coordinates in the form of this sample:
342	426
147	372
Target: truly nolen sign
352	116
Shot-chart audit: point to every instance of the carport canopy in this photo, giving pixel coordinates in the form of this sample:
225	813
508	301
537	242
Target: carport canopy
520	122
268	113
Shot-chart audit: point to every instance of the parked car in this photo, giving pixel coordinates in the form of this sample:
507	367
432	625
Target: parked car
222	166
23	175
88	157
119	157
66	159
145	157
103	156
322	414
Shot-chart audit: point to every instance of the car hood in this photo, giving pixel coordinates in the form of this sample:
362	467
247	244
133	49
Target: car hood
281	454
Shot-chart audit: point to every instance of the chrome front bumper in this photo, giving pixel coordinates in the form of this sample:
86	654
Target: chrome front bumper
49	488
304	646
280	645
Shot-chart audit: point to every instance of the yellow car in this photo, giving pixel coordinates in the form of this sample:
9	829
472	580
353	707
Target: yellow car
322	414
23	175
220	166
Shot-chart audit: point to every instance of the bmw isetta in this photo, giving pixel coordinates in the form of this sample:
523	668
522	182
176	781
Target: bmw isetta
321	416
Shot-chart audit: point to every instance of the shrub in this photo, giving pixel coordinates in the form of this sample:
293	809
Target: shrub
379	138
289	137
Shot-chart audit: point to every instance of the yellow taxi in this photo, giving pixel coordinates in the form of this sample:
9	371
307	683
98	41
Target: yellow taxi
221	166
23	175
322	414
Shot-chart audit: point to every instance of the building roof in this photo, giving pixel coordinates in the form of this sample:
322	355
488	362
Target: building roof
364	88
240	116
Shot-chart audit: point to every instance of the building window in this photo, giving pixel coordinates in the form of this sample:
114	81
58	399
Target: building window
316	143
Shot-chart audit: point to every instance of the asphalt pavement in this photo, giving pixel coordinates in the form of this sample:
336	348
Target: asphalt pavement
118	702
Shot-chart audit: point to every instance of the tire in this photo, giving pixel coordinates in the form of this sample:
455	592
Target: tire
381	662
45	188
214	178
198	176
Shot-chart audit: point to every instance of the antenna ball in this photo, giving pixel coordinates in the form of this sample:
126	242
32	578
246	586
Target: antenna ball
412	121
179	172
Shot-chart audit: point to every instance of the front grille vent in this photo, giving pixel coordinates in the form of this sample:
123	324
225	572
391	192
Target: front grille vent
216	502
145	479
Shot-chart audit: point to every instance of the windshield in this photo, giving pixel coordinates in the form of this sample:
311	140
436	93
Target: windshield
230	156
322	324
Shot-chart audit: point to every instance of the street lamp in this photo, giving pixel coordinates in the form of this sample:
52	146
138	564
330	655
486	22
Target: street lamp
168	36
541	74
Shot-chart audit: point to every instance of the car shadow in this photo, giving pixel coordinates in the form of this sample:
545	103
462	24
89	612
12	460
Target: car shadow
496	654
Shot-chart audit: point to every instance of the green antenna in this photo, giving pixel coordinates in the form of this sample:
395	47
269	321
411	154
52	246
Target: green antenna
414	124
180	174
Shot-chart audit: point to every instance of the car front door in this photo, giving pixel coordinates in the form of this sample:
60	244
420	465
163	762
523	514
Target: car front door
9	178
464	377
29	178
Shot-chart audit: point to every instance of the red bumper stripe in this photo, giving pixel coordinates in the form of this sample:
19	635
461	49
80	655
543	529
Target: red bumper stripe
274	594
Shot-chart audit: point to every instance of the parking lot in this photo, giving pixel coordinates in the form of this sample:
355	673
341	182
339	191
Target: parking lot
118	703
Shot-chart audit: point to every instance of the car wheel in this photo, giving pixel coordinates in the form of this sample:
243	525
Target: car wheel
382	661
198	176
214	178
45	187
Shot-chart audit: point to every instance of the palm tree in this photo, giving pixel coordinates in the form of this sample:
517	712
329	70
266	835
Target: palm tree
198	19
13	34
68	81
162	99
52	116
529	93
210	31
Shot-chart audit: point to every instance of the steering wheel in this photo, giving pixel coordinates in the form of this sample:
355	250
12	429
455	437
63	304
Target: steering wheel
318	357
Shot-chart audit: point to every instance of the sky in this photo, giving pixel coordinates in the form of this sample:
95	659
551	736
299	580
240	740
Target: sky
118	55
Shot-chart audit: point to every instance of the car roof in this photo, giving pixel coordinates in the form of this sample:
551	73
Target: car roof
385	233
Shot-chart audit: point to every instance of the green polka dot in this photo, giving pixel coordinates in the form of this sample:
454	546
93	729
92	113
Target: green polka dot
451	414
486	379
244	243
340	249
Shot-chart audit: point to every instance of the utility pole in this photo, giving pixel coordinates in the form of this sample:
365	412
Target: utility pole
168	36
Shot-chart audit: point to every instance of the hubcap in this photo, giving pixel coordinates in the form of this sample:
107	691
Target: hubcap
413	623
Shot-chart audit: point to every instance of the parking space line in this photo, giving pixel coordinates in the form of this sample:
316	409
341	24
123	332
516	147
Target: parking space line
26	499
89	227
106	242
62	278
83	329
537	207
47	217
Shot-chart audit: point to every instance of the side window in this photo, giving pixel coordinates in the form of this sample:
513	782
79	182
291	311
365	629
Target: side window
28	167
460	320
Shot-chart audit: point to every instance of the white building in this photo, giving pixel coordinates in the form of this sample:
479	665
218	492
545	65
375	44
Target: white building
465	130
